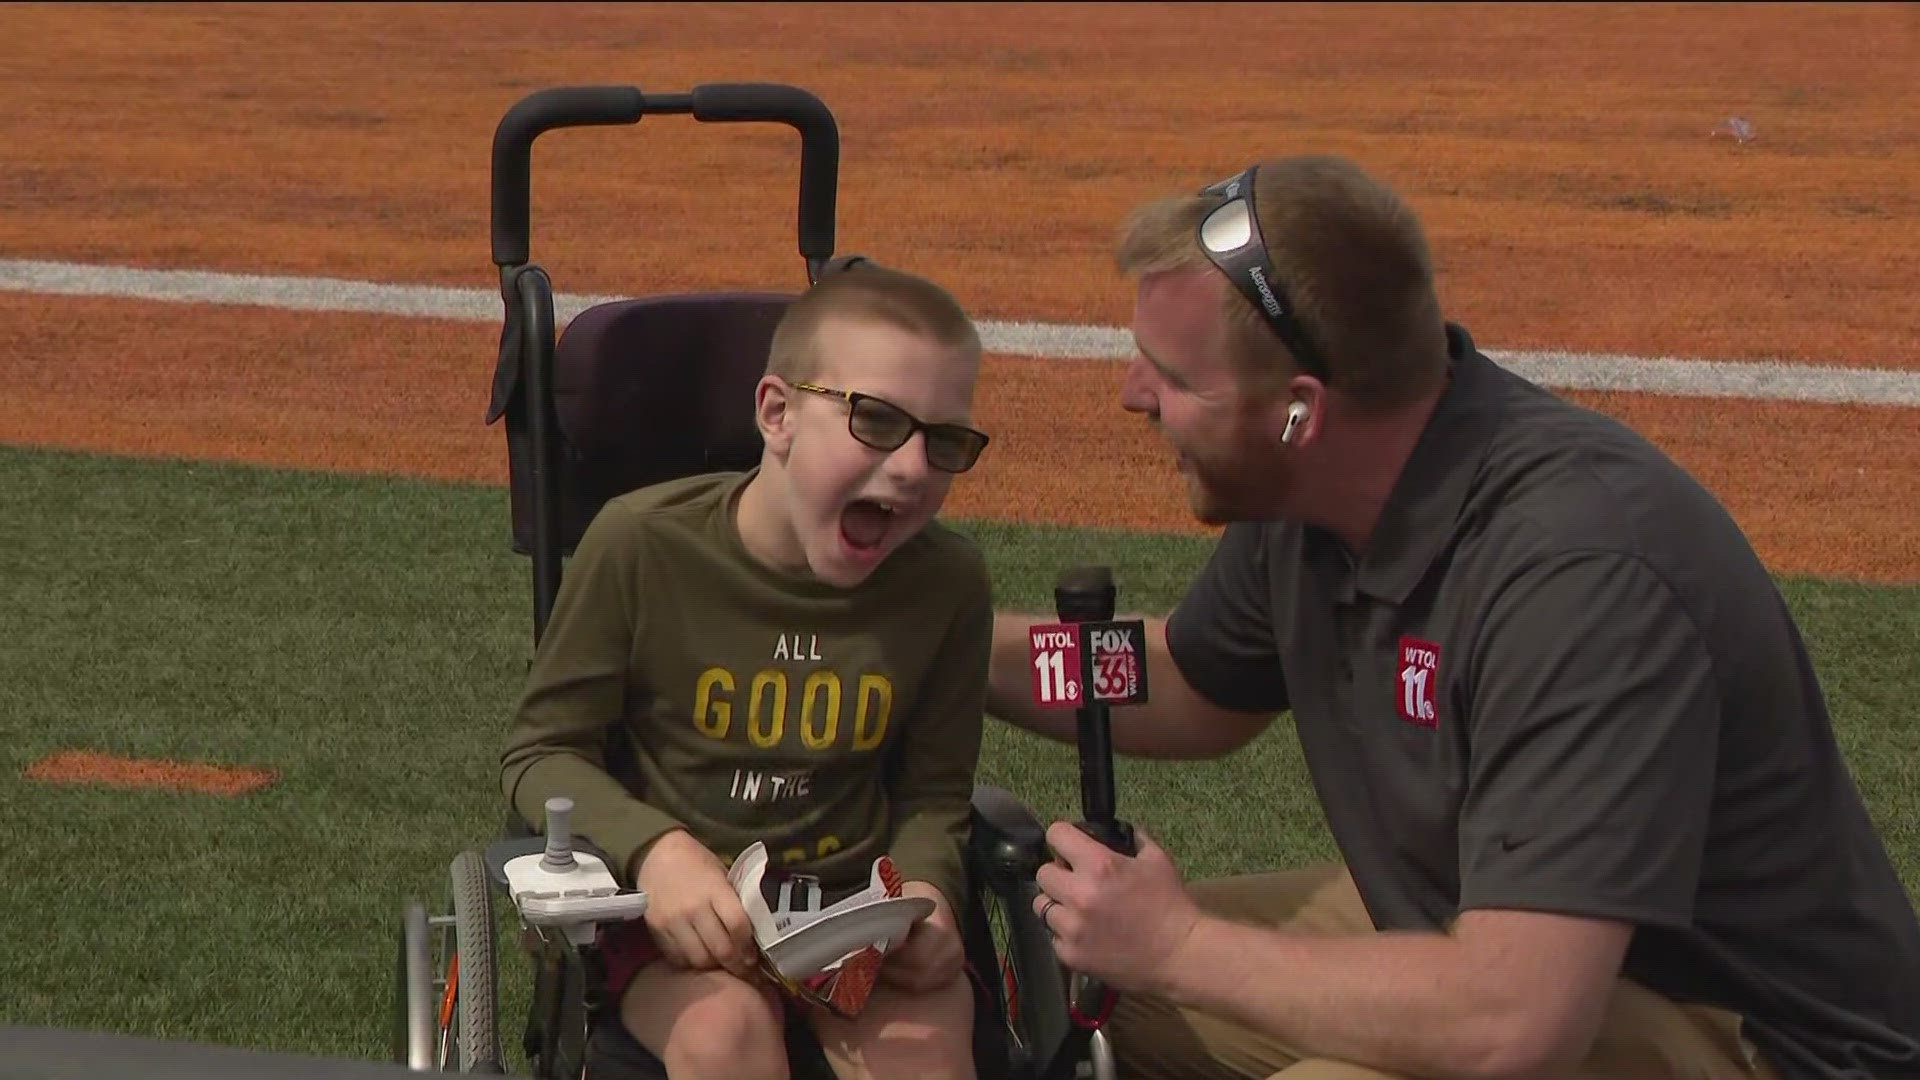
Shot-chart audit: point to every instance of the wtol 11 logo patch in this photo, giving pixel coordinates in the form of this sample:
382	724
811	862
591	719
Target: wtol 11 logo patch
1078	663
1419	682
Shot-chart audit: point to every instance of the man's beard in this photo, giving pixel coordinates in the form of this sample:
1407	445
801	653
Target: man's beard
1222	492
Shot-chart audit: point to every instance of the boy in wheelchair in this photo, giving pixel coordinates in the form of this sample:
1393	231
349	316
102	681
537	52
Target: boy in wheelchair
798	653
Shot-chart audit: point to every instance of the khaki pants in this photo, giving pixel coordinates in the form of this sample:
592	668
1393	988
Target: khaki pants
1644	1036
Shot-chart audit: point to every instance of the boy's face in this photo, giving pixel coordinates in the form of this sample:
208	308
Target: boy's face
850	505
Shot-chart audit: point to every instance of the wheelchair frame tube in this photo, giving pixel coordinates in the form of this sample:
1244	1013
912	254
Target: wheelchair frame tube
536	305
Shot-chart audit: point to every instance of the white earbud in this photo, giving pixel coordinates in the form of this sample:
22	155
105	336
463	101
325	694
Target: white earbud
1296	412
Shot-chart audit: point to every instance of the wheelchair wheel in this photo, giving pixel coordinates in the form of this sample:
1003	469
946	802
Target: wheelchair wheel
469	1003
1024	1024
1026	985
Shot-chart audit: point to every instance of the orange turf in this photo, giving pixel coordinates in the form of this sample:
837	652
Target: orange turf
90	767
1563	157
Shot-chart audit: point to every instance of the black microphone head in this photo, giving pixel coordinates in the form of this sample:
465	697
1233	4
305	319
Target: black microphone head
1084	594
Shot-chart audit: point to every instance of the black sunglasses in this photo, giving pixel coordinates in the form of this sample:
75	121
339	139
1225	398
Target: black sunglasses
883	425
1230	236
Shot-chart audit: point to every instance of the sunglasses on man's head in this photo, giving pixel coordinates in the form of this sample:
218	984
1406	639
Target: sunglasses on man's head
1230	237
883	425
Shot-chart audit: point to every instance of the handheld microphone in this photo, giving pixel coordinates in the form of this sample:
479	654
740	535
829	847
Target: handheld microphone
1089	662
1084	595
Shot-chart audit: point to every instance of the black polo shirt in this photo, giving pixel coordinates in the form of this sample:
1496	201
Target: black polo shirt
1561	680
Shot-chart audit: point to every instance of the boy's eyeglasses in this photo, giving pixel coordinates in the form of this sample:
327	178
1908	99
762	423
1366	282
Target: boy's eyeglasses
1230	237
885	426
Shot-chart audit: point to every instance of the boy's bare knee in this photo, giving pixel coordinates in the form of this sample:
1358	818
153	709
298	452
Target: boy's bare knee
924	1035
720	1027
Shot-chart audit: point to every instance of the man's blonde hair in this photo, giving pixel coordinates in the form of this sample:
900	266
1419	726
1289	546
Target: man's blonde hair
866	291
1350	257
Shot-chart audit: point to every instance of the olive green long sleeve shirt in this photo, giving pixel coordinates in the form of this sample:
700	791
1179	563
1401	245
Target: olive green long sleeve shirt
833	724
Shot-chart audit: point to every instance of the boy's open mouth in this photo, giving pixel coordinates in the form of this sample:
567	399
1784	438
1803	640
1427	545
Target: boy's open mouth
864	523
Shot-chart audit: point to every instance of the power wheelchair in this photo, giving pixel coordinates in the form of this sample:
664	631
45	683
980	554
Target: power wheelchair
636	392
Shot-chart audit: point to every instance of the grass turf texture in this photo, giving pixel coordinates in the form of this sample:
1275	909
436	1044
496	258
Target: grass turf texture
365	637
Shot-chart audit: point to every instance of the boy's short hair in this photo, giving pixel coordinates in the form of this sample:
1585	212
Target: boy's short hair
869	292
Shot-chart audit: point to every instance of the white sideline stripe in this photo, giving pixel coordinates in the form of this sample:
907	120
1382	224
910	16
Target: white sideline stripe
1770	380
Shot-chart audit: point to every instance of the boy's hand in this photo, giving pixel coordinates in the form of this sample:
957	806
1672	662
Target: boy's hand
696	918
932	954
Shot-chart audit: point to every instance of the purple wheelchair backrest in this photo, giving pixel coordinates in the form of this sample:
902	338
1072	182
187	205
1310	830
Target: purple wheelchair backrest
655	389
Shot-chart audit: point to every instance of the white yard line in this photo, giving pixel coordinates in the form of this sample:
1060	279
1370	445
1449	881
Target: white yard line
1566	370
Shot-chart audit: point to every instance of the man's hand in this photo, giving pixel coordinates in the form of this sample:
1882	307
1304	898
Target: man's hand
696	918
932	955
1120	919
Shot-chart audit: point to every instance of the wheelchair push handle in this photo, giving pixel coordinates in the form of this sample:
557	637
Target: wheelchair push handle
530	117
580	106
819	150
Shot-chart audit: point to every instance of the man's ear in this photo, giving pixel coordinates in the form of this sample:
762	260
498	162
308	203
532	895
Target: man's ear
772	414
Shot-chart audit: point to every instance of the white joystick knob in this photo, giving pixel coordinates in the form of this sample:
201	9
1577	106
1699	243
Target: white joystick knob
559	856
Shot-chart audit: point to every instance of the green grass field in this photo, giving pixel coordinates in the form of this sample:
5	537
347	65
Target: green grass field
366	636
